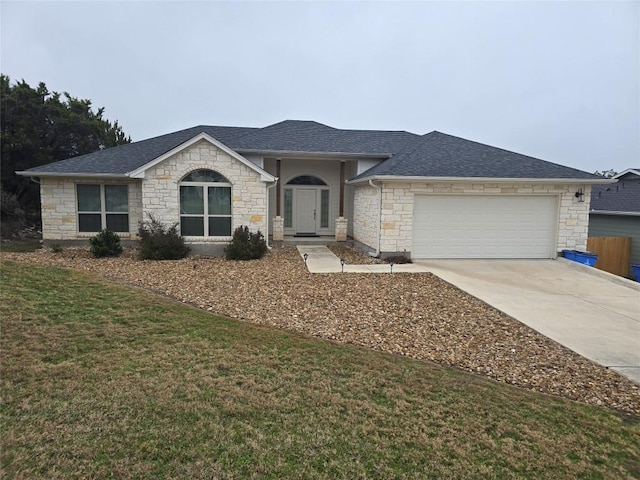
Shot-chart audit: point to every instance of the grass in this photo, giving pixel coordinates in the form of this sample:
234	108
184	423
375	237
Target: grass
100	380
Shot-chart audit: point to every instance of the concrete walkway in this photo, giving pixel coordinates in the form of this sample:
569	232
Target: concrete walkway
593	313
322	260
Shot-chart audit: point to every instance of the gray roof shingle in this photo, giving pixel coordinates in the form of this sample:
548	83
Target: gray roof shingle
623	196
440	155
126	158
432	155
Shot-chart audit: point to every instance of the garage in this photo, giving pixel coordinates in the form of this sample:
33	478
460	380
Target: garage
485	226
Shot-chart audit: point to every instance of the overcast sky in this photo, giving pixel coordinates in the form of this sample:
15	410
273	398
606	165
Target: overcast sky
556	80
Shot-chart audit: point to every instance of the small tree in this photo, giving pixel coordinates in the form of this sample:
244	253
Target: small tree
159	242
105	244
246	245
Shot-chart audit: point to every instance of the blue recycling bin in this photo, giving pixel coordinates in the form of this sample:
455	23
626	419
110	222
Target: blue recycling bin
586	258
636	271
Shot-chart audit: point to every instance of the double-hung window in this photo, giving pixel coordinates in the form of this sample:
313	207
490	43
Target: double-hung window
103	206
205	205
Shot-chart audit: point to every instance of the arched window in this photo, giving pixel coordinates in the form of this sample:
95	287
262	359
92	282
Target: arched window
205	204
306	180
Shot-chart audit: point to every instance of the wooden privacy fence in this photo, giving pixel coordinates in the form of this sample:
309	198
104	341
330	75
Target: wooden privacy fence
613	253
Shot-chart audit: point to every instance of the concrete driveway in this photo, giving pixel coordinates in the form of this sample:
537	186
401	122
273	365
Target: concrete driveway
593	313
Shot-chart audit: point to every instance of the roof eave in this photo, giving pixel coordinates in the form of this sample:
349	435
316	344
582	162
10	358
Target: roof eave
26	173
402	178
613	212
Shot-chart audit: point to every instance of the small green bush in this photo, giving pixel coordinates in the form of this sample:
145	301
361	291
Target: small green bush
105	244
56	248
246	245
159	242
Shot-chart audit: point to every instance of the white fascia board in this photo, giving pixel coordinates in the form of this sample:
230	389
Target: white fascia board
140	172
628	170
71	175
395	178
608	212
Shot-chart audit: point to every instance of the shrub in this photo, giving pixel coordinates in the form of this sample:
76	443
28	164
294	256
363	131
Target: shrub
56	248
105	244
398	259
246	245
159	242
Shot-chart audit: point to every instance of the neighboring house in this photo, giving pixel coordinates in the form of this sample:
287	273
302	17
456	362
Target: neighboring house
429	196
615	210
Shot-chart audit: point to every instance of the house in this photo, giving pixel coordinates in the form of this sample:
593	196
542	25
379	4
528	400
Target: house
615	210
392	192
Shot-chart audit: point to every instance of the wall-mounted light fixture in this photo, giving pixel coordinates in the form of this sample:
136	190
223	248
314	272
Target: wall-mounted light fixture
580	195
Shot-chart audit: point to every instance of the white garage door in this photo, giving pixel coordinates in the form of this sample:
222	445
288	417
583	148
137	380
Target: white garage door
484	226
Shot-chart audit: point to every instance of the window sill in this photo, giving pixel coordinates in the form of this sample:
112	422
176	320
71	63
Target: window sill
207	239
93	234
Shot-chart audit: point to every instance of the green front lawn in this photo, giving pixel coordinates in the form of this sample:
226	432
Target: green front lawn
102	380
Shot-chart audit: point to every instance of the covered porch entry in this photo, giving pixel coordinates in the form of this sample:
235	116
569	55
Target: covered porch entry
310	199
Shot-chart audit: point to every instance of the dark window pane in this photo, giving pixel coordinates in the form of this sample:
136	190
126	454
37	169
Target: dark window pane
324	209
219	201
115	198
89	222
306	180
288	208
89	199
210	176
219	226
118	222
192	226
191	200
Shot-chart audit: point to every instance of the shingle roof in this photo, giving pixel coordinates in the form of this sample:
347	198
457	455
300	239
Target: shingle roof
623	196
440	155
287	136
308	136
432	155
126	158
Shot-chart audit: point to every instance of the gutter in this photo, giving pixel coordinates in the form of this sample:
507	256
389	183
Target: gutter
379	220
614	212
401	178
83	175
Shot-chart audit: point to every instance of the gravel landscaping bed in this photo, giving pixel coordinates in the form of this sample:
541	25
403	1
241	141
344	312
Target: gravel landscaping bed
416	315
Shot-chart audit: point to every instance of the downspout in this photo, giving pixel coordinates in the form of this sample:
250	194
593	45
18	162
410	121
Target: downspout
378	226
266	217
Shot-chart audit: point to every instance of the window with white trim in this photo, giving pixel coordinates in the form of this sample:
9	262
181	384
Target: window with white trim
205	205
103	206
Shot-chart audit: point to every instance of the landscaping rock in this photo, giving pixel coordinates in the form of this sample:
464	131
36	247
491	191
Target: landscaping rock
416	315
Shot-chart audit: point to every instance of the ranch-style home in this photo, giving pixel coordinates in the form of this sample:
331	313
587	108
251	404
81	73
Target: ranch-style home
392	192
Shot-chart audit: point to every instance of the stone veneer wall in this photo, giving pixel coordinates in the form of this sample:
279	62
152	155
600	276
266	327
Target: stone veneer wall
59	207
397	210
365	215
160	191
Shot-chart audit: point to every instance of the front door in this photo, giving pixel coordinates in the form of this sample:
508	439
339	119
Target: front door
305	208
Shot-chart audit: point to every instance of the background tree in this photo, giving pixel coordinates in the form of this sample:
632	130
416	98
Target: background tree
40	127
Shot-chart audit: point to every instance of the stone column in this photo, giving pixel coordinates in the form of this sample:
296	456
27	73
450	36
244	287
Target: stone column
341	229
278	229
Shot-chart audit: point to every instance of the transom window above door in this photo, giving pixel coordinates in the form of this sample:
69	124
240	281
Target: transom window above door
205	204
306	180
